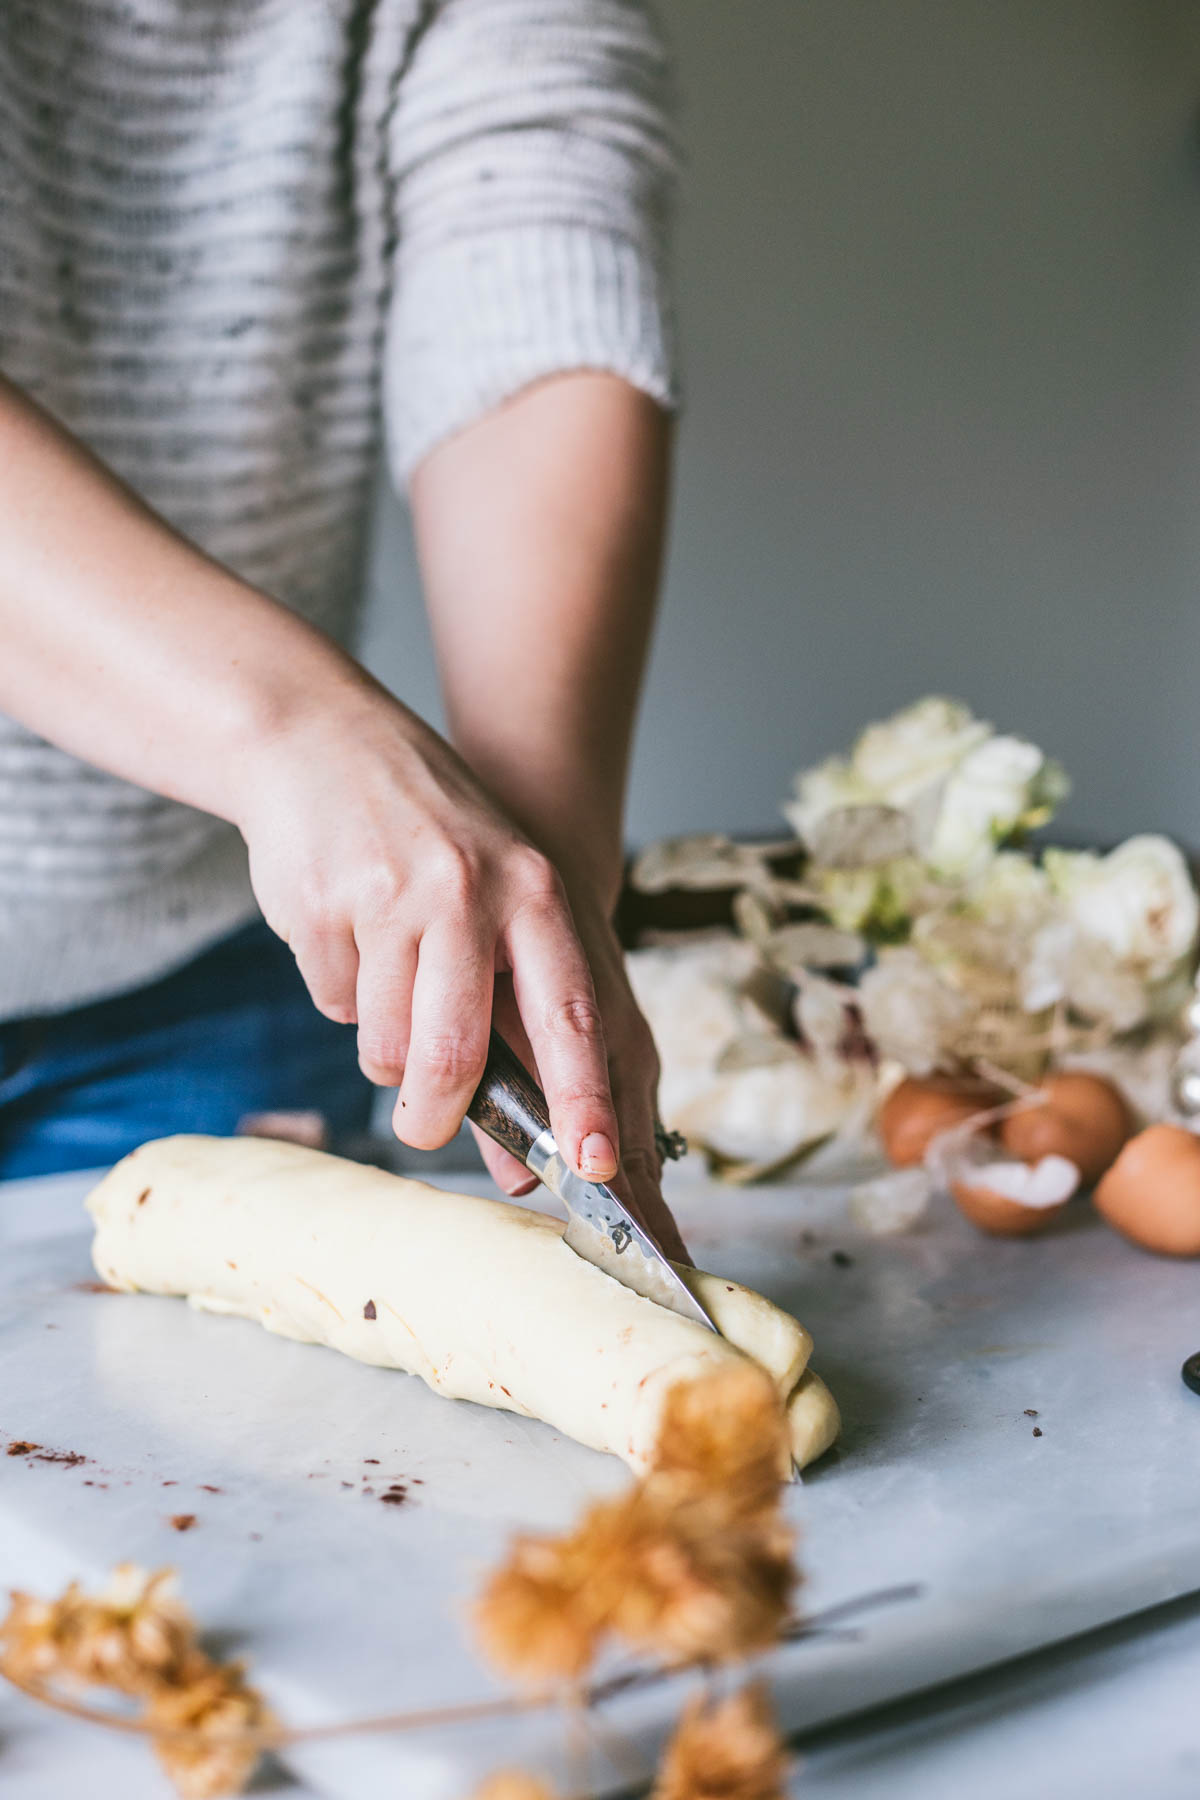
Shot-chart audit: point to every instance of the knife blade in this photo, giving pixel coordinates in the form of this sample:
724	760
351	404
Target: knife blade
511	1108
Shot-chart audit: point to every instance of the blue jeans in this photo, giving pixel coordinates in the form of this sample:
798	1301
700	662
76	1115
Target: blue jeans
233	1032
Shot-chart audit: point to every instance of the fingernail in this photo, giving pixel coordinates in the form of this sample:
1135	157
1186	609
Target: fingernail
597	1156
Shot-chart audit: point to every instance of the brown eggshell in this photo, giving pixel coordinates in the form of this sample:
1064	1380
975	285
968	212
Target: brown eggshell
1152	1192
1000	1216
917	1109
1085	1118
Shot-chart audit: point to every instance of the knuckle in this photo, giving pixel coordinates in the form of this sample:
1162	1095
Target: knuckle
378	888
448	1059
381	1056
534	876
585	1097
576	1017
455	873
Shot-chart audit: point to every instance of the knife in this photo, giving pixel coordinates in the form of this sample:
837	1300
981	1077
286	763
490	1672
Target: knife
511	1108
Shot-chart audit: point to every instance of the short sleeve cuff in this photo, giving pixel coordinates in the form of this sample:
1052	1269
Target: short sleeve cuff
475	319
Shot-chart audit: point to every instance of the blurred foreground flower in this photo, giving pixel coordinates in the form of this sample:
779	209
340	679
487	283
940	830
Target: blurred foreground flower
726	1749
136	1638
693	1562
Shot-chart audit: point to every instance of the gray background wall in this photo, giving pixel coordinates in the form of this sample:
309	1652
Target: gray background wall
940	287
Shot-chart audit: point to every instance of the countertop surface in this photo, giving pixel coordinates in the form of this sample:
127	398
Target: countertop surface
947	1351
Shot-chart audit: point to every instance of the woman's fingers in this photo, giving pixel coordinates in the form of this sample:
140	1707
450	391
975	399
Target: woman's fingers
387	967
451	1021
327	958
553	988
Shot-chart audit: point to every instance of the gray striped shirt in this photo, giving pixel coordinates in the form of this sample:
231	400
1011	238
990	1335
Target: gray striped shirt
242	243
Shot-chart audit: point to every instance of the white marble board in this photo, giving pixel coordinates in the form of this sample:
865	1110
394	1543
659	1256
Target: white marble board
936	1344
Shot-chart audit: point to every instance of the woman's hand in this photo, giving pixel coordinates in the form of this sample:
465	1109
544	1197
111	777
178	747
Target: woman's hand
412	905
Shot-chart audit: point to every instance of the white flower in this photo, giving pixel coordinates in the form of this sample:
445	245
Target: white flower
1138	903
731	1081
899	757
1001	786
767	1114
910	1013
962	789
891	763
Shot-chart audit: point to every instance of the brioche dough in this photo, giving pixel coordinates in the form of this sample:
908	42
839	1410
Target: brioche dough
481	1299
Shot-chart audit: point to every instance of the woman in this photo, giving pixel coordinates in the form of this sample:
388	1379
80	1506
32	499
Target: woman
238	242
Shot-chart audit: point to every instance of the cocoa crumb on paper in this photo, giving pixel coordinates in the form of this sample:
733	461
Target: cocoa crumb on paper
182	1521
67	1459
143	1196
840	1260
371	1459
1031	1412
206	1487
396	1495
369	1310
1037	1431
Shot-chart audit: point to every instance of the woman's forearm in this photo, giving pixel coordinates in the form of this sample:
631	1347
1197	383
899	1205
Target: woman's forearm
540	532
122	642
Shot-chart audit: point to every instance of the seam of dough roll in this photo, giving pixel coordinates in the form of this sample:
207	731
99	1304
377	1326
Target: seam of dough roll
480	1298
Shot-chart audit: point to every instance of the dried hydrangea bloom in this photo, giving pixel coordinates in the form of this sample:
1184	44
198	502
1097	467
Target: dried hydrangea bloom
694	1562
213	1708
131	1636
512	1784
725	1749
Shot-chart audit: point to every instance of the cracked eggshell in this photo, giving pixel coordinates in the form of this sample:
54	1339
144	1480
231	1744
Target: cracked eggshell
1013	1199
1151	1195
920	1109
1084	1117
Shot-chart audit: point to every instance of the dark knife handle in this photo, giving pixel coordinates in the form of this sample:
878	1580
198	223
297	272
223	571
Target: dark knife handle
508	1103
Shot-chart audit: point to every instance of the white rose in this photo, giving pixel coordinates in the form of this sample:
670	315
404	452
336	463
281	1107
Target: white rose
899	757
1011	891
891	762
1138	903
1001	786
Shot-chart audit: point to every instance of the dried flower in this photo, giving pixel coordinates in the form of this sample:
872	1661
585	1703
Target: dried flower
136	1637
513	1784
213	1707
726	1749
534	1617
723	1439
134	1634
694	1562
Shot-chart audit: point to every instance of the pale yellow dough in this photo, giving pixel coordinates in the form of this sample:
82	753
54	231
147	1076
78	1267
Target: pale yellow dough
481	1299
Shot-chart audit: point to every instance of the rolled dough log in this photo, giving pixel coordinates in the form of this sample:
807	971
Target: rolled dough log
482	1299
